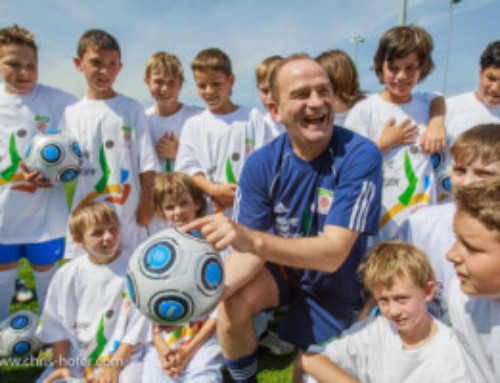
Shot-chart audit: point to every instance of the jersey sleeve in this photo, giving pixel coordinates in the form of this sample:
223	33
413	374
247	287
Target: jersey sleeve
253	205
187	160
357	120
148	161
138	326
357	200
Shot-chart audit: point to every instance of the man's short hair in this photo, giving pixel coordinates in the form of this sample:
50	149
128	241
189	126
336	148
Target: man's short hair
273	76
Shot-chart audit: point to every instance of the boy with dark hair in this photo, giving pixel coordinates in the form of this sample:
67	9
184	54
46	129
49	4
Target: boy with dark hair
119	160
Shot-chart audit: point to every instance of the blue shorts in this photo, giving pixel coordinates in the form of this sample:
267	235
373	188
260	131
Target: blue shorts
313	317
42	253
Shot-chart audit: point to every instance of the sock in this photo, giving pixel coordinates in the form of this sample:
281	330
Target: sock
243	370
43	279
7	285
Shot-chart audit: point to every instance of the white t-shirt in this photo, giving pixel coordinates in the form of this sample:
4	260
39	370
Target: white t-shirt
372	351
463	112
431	230
87	304
409	179
218	145
476	321
28	214
274	127
117	148
159	125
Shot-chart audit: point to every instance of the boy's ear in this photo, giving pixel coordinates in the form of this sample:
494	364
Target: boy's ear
231	79
77	61
430	290
78	241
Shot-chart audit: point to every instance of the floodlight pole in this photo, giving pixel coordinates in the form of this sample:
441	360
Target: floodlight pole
402	12
448	41
356	40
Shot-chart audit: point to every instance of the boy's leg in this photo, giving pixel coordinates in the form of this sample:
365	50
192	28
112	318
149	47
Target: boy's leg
43	257
9	270
235	328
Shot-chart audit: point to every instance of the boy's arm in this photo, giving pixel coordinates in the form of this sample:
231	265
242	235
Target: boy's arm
324	369
221	194
179	357
110	371
145	210
433	137
60	360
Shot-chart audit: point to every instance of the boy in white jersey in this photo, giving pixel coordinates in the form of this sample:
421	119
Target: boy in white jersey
215	144
476	156
262	73
472	108
403	59
26	204
404	344
164	78
474	299
94	328
119	160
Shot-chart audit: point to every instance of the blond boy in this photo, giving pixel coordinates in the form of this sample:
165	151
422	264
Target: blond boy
92	325
404	344
216	143
476	156
474	299
119	160
164	78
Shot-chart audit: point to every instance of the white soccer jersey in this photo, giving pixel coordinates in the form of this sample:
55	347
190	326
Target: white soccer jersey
409	179
431	230
218	145
159	125
88	305
476	321
29	214
275	128
372	351
117	148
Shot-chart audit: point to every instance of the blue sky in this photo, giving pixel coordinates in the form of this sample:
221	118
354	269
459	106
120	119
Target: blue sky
249	31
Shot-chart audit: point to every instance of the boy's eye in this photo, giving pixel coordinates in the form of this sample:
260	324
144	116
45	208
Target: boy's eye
458	170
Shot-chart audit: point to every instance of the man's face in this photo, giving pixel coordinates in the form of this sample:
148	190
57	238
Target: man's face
489	85
476	256
305	105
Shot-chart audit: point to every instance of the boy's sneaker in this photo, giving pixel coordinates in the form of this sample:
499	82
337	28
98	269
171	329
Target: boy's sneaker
275	345
22	291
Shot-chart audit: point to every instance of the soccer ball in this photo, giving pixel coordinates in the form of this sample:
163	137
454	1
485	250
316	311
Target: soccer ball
17	335
175	277
54	154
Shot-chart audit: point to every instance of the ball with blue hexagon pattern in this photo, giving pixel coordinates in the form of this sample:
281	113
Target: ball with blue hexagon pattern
56	155
17	335
175	277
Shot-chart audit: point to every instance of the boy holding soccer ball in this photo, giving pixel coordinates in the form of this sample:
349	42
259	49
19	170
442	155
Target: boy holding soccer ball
27	108
190	353
96	332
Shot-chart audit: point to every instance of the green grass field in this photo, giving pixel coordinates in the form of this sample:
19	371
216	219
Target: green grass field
272	369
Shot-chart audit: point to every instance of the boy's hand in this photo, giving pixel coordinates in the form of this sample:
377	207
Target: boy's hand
167	146
35	178
222	195
433	137
106	374
396	135
58	373
178	358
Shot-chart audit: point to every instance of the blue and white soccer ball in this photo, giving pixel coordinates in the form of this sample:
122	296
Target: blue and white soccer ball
175	277
56	155
17	335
